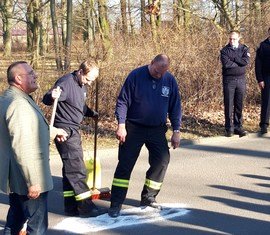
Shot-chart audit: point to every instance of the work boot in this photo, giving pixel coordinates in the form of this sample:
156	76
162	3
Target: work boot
151	203
114	210
263	130
70	205
87	208
240	132
228	133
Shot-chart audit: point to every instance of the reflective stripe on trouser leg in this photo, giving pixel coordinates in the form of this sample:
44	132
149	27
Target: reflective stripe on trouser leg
68	194
153	184
120	183
83	196
119	190
159	158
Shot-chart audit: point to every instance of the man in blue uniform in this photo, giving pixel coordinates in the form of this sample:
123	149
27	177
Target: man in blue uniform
70	111
235	59
262	70
149	95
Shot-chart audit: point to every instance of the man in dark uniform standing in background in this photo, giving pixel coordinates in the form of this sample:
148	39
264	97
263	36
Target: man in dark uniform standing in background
149	94
234	58
262	70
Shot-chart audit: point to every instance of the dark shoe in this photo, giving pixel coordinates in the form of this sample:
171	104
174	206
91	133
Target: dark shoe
264	130
87	208
74	212
228	133
70	205
114	210
154	204
240	132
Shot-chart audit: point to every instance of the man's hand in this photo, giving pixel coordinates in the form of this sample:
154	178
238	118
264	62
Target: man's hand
56	92
121	133
175	140
61	135
95	116
34	191
261	85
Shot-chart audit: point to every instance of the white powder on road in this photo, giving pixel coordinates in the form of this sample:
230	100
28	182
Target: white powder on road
128	217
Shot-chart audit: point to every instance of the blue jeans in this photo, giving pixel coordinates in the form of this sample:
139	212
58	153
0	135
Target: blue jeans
22	209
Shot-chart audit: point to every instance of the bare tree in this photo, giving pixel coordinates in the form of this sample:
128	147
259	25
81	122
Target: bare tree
6	12
124	16
153	9
143	23
68	36
104	27
58	58
33	17
89	26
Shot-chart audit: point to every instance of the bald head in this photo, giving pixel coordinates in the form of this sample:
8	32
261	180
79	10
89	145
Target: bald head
162	59
159	66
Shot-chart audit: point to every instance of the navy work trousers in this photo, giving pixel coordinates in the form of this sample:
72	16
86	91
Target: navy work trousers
155	141
265	103
73	171
234	92
22	209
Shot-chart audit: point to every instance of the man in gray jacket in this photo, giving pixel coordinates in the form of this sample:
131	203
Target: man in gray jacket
24	152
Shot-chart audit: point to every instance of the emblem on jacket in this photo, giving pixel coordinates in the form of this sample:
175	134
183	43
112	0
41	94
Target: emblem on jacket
165	91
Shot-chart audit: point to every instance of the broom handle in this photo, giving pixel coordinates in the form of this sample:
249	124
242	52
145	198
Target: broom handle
95	138
54	108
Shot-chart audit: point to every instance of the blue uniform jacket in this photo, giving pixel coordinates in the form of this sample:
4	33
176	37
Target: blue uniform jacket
71	106
234	61
262	61
148	101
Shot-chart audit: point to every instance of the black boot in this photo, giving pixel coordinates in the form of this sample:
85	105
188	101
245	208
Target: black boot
70	205
114	210
87	208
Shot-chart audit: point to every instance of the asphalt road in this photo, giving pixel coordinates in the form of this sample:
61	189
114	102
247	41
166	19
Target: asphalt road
222	182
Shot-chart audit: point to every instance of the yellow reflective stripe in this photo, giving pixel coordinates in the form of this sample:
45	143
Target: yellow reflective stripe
83	196
120	183
152	184
68	193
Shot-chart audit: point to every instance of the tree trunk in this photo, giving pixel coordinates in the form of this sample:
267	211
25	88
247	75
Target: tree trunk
187	14
33	22
89	32
104	27
130	19
143	14
58	59
124	16
177	5
69	36
153	24
6	12
64	21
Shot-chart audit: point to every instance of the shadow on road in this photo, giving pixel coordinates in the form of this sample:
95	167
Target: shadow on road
228	150
244	192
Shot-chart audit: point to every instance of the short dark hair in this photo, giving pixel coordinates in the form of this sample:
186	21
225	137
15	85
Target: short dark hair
87	65
10	70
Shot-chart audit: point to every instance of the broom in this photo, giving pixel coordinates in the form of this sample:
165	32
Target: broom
102	192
